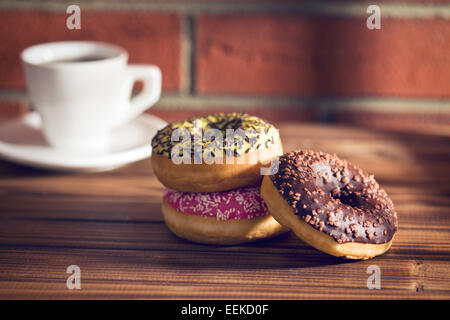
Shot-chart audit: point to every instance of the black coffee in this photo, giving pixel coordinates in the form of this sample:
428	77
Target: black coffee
77	59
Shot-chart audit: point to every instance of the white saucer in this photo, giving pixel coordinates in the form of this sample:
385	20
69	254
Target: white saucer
22	141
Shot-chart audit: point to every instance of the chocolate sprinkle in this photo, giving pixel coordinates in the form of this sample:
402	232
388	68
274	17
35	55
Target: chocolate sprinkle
359	211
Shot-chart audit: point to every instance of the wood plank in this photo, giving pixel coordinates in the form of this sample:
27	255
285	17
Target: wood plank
151	235
164	274
110	224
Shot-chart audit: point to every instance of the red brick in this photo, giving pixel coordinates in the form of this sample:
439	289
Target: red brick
12	109
296	55
149	37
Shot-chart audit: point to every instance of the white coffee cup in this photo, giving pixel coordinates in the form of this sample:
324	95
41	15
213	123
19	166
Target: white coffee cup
80	102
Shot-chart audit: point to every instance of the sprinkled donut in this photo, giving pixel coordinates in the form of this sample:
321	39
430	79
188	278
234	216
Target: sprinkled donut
331	204
265	133
228	217
236	152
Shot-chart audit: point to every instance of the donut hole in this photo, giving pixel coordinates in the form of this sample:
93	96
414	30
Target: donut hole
348	198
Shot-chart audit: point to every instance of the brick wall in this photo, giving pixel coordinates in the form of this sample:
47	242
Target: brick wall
284	60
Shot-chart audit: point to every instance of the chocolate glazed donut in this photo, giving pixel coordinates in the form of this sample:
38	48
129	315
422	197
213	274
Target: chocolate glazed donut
331	204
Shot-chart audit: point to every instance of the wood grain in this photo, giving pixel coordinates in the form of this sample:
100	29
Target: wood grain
110	224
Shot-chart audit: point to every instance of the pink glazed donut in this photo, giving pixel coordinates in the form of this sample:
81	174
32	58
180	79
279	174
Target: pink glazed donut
228	217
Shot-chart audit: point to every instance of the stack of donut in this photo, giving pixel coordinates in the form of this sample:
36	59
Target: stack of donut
216	202
328	203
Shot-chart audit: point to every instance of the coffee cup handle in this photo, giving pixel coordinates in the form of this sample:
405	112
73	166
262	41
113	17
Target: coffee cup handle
150	75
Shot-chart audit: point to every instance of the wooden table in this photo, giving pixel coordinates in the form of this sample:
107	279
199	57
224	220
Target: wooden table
110	225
